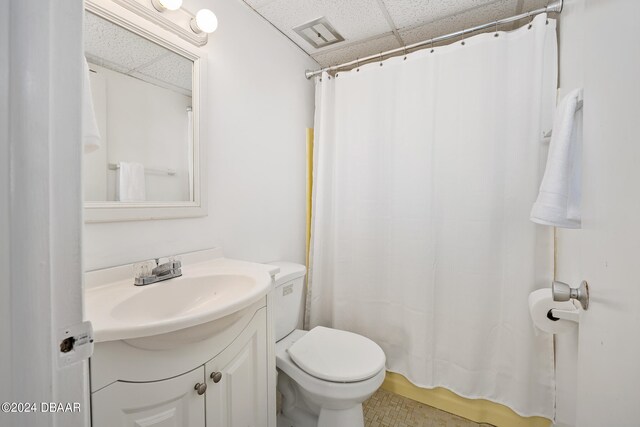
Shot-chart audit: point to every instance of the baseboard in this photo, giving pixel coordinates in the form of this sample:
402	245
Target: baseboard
478	410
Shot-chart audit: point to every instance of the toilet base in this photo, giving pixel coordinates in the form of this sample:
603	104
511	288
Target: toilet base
328	418
298	410
345	417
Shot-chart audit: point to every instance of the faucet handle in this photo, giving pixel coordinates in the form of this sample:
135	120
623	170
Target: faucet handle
142	269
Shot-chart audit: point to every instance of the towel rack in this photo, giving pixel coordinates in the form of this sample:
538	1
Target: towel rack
579	105
168	171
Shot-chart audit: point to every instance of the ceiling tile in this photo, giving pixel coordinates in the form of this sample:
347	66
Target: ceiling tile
258	3
116	45
480	15
172	68
353	19
408	13
92	59
534	4
358	50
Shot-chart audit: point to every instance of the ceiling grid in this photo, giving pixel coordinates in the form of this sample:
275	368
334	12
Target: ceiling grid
373	26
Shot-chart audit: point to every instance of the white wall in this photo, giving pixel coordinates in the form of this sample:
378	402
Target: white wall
259	104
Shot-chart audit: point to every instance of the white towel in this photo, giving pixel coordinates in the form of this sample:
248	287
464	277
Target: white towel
558	202
90	132
130	186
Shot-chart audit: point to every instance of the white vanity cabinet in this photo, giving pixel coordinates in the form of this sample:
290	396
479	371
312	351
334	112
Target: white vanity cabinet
154	383
237	384
171	402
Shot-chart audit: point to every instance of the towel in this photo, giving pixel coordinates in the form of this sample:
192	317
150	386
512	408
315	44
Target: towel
90	132
558	202
130	186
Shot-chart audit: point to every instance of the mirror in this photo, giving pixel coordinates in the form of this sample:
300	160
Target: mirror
143	98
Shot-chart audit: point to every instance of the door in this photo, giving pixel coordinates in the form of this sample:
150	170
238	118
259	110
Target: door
40	207
608	246
237	380
167	403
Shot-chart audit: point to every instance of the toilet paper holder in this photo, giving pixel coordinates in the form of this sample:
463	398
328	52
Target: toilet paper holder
563	292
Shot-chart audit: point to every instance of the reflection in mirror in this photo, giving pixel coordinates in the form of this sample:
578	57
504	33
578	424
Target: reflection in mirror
142	96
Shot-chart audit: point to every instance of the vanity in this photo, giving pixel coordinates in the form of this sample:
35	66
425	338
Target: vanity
195	350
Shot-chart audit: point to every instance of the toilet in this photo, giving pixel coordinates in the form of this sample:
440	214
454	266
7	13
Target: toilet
324	374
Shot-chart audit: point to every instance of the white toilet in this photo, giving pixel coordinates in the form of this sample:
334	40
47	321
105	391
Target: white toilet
325	374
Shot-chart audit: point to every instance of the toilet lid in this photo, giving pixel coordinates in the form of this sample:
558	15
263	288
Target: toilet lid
339	356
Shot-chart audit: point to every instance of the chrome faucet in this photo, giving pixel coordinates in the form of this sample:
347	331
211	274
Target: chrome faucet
165	271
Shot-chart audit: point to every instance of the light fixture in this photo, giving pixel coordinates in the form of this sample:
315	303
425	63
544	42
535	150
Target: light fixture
205	21
162	5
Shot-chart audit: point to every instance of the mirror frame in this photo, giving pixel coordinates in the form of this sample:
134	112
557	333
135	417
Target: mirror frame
110	211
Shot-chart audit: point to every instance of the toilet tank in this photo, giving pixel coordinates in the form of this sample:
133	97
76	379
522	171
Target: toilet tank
289	298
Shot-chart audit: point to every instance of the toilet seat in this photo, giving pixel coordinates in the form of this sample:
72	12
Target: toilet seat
337	356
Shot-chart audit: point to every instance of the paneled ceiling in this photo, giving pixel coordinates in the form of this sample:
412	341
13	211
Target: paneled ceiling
374	26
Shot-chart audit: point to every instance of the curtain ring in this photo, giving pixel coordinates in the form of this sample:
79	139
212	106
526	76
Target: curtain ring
530	16
496	33
357	65
432	49
462	43
380	59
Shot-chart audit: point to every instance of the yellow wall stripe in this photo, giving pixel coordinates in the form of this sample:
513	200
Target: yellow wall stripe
309	188
478	410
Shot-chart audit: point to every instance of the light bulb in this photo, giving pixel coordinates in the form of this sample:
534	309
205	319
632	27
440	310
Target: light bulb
205	20
162	5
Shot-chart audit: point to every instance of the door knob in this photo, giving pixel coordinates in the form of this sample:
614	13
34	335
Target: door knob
216	376
563	292
200	388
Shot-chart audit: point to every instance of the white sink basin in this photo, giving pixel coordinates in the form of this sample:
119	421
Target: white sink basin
206	292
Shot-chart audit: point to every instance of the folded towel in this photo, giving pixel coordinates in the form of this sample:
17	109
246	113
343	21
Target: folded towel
130	186
90	132
558	202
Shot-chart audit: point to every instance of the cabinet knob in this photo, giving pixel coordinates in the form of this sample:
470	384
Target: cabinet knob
200	388
216	376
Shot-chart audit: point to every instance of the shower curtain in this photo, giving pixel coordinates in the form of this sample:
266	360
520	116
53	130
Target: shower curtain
425	172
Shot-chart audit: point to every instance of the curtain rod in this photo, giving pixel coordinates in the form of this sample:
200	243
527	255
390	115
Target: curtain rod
554	6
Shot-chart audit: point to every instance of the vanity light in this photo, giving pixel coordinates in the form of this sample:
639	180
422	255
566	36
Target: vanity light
162	5
205	21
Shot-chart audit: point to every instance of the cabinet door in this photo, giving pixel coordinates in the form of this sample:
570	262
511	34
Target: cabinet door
239	398
168	403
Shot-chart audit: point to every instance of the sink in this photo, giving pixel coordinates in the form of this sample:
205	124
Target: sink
206	292
182	297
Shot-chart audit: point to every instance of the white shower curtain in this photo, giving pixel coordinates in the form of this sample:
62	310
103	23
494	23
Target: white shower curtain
425	173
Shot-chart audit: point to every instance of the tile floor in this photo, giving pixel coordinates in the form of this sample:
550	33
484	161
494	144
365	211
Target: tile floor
386	409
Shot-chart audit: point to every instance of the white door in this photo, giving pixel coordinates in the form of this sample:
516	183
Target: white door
167	403
237	380
609	244
40	207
